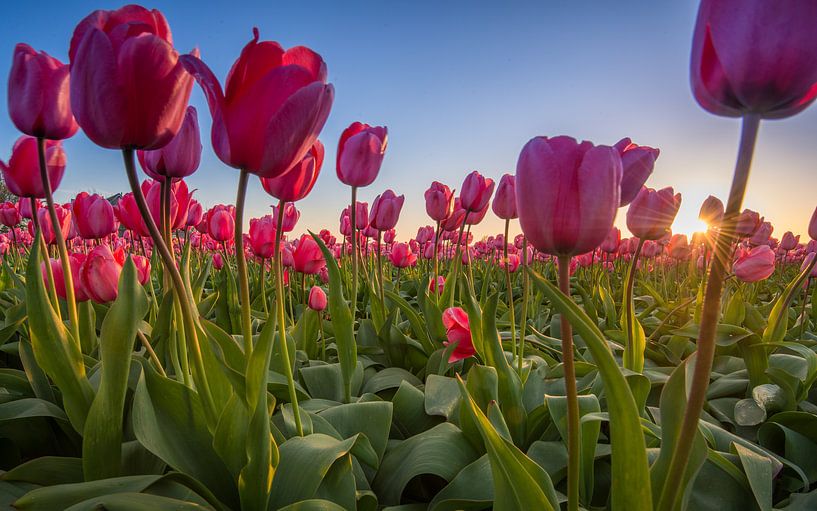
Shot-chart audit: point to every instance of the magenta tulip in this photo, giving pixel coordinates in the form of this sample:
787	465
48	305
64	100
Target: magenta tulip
458	333
504	204
291	216
307	257
386	210
262	236
439	201
75	261
401	256
47	228
99	273
317	299
93	215
789	241
755	265
9	214
651	214
180	157
637	163
476	191
360	153
22	173
221	223
298	181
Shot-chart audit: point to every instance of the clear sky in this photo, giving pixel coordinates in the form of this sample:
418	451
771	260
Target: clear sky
462	86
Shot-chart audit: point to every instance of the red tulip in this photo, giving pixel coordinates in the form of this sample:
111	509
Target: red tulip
180	157
307	257
274	106
755	265
99	273
651	214
128	87
458	332
22	173
9	214
476	192
291	216
637	163
75	263
386	210
93	215
504	204
38	99
755	56
298	181
128	214
317	299
401	256
360	153
567	193
388	236
262	236
440	284
221	223
439	201
711	211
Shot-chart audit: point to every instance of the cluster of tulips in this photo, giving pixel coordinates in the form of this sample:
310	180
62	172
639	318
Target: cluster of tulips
155	355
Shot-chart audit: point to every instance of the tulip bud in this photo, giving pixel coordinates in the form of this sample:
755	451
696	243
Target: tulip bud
360	153
99	273
637	163
755	265
386	210
93	216
711	211
476	192
317	299
22	173
504	204
651	214
458	333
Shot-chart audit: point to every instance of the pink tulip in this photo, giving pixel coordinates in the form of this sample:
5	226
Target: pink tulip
99	273
439	201
806	262
388	236
218	261
317	299
789	241
180	157
152	190
439	287
567	193
47	228
262	236
142	264
679	247
9	214
504	204
298	181
812	226
475	217
38	99
75	263
425	234
457	217
274	106
401	256
195	213
128	214
307	257
611	241
762	234
476	192
755	265
386	210
22	173
221	223
291	216
637	163
651	214
93	215
711	211
24	207
748	222
360	153
128	87
458	332
762	61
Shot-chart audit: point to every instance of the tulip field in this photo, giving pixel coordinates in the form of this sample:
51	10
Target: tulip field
160	353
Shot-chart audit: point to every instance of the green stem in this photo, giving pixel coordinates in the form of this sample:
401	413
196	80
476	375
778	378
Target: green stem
353	226
630	355
241	264
510	292
573	432
524	319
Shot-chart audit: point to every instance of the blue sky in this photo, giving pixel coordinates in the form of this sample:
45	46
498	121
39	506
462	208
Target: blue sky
463	86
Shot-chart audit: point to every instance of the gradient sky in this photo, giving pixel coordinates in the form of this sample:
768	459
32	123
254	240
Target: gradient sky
462	86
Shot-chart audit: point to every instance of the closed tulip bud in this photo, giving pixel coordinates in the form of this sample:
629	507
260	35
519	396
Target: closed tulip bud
152	190
128	87
180	157
75	263
262	236
194	214
22	173
425	234
291	216
63	217
297	182
437	287
567	194
762	61
476	191
220	223
789	241
611	241
345	223
711	211
317	299
388	236
748	222
651	214
9	214
361	214
184	198
812	226
38	100
218	261
458	333
401	256
455	219
475	217
439	201
99	273
679	247
762	234
504	204
755	265
360	153
386	210
637	163
142	264
129	216
93	216
307	258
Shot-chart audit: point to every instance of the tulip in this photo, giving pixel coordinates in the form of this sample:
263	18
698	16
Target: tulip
748	222
128	214
93	215
458	333
22	173
142	264
317	299
611	241
38	99
218	261
712	211
755	265
220	223
812	226
386	210
637	164
439	201
307	257
262	236
180	157
789	241
762	61
762	234
567	194
651	214
47	228
360	153
291	216
9	214
504	204
679	247
476	192
99	273
298	181
128	86
195	213
440	284
401	256
76	261
152	190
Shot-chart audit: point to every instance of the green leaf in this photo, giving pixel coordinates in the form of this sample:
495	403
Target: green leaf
758	471
557	405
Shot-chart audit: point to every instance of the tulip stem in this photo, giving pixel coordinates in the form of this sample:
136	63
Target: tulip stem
572	395
282	334
524	319
49	273
380	272
241	264
436	264
631	356
456	263
67	277
353	226
673	484
185	299
510	290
